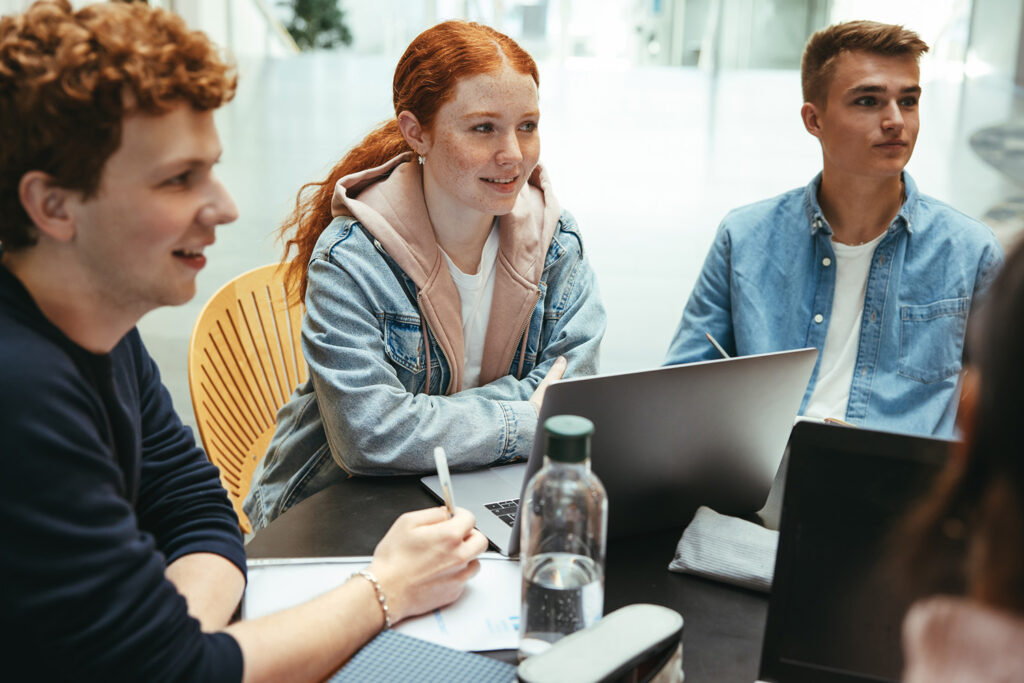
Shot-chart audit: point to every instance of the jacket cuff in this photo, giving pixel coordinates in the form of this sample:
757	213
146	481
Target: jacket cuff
520	425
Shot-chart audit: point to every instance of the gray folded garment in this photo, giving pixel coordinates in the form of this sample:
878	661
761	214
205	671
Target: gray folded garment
728	549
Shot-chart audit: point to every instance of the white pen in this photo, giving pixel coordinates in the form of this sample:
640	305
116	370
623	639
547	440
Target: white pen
714	342
441	461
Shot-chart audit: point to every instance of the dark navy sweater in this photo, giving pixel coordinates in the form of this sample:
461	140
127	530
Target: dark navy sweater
101	487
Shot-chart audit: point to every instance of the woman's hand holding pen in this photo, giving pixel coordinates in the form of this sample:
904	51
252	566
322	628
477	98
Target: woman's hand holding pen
425	559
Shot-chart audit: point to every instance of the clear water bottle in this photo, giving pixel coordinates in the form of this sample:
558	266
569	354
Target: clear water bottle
562	544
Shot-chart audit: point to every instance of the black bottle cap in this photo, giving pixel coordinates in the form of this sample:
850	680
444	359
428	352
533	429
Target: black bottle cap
567	438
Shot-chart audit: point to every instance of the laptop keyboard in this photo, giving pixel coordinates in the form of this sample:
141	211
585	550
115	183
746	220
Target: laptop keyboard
506	510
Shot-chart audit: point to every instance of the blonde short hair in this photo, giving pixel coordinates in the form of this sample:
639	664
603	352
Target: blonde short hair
823	49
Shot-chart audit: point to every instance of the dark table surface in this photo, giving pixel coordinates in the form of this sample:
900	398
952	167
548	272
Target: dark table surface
723	625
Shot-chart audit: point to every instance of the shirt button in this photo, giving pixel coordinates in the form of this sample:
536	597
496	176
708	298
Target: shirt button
872	316
826	262
818	318
881	260
863	371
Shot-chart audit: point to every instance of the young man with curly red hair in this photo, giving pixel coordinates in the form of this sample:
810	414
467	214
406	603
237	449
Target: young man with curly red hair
859	264
120	556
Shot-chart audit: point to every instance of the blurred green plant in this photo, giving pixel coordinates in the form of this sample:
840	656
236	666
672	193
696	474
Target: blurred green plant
317	23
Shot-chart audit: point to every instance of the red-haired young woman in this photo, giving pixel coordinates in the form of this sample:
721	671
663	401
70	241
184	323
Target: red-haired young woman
444	285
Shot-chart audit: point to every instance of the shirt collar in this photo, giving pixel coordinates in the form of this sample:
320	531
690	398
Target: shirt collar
905	217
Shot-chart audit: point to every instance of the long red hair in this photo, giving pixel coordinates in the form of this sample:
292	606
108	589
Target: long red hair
425	79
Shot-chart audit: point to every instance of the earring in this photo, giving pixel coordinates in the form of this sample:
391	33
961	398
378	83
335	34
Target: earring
422	159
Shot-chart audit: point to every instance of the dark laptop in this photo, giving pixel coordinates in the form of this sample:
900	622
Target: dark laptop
837	605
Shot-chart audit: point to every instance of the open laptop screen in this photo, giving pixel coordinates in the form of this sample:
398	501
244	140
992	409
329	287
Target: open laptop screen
837	604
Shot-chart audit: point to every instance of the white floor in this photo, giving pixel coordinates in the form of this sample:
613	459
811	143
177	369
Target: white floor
648	160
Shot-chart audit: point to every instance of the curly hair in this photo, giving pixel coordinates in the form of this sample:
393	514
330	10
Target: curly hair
425	79
68	79
824	47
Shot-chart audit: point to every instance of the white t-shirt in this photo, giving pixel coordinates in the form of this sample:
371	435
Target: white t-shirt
475	292
835	373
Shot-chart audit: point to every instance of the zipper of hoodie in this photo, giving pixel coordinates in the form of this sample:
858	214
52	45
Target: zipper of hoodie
426	347
522	337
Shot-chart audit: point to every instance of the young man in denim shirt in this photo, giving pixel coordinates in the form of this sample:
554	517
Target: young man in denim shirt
860	265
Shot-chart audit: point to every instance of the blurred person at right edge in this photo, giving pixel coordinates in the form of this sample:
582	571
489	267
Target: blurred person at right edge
975	513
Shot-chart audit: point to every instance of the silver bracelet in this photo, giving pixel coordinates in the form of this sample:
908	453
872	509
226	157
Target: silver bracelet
381	598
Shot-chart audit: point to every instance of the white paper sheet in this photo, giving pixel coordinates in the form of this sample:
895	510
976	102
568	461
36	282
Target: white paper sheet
486	617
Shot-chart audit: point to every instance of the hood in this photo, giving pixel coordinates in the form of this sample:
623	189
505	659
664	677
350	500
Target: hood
388	201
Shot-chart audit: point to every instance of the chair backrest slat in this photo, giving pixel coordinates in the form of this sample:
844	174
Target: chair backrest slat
293	337
223	388
241	346
282	377
265	355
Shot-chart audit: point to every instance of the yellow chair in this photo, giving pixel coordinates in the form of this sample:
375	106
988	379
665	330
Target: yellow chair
244	361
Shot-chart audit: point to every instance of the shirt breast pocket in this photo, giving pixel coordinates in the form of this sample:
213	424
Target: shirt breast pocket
932	339
403	345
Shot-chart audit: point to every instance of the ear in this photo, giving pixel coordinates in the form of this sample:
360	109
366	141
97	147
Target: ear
413	132
47	205
810	114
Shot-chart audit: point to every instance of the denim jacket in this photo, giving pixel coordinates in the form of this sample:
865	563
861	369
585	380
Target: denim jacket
767	285
379	399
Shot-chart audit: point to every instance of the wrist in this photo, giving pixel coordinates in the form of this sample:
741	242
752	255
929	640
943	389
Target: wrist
380	597
395	587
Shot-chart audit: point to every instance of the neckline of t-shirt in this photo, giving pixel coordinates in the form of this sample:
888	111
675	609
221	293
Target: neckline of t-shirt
841	248
488	257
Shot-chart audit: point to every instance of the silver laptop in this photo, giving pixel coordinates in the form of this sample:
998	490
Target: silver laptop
665	441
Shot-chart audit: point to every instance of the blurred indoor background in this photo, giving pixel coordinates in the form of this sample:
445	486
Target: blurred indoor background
658	116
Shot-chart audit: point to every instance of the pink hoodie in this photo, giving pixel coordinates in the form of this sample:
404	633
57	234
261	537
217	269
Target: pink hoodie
388	202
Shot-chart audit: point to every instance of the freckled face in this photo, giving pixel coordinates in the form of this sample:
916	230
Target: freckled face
870	120
484	144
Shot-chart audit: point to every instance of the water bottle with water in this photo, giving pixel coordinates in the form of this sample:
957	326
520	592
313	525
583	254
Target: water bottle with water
564	521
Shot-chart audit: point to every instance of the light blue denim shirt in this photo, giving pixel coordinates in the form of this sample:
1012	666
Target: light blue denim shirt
767	285
365	409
